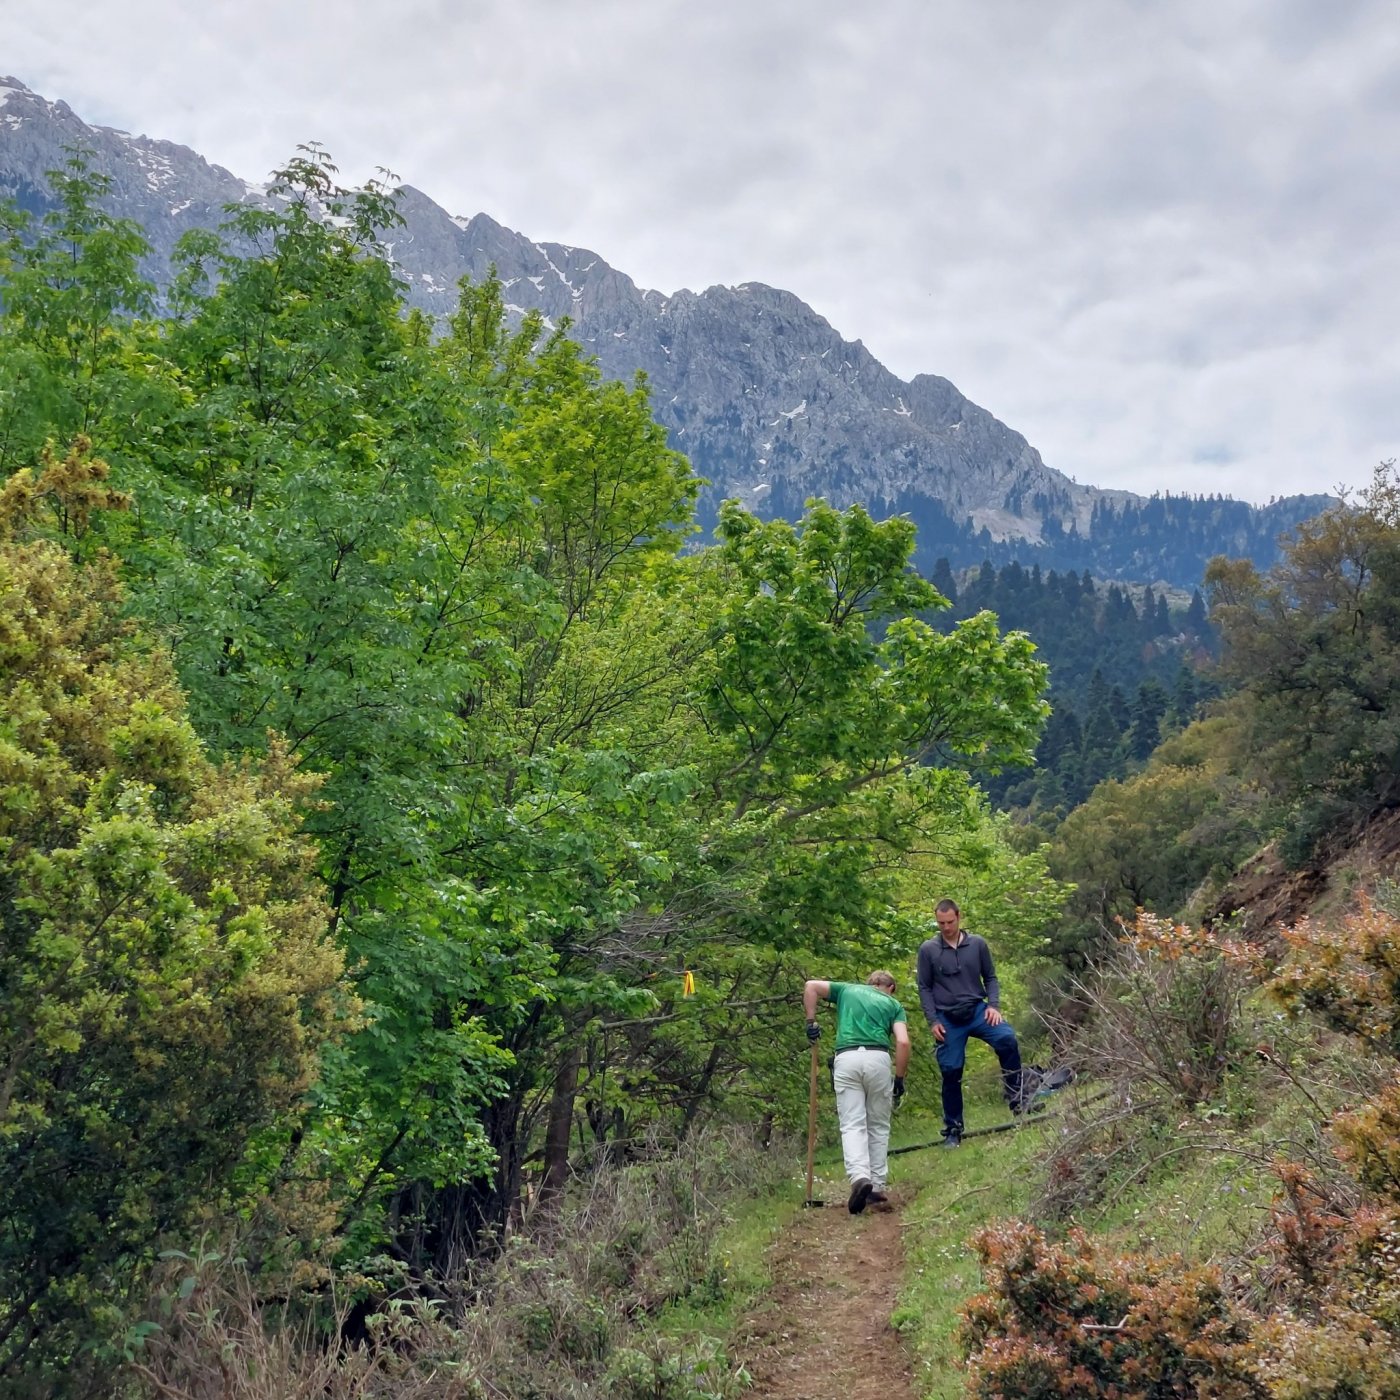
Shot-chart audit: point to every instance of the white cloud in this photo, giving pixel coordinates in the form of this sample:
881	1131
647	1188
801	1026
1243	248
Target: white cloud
1153	238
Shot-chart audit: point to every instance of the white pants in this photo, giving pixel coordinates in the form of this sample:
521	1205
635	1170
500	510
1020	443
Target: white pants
864	1102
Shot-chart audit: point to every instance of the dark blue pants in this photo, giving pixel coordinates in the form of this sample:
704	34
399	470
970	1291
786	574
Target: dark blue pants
952	1054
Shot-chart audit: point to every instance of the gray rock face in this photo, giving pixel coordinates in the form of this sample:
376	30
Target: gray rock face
769	402
764	396
165	188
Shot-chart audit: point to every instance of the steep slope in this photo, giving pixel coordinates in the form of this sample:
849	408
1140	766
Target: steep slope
766	398
165	188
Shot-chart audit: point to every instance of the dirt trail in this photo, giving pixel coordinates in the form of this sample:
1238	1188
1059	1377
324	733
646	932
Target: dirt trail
823	1332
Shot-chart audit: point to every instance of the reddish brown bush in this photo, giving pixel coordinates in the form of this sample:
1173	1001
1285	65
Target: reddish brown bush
1349	974
1368	1141
1336	1336
1068	1320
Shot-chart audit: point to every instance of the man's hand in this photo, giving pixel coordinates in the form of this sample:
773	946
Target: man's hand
940	1032
814	1032
994	1017
898	1089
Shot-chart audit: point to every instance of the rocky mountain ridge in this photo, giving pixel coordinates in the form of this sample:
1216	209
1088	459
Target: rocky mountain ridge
770	403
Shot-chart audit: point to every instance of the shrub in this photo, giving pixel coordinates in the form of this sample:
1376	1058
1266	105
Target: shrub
1066	1320
558	1318
663	1369
215	1336
166	979
1333	1332
1368	1140
1349	975
1078	1161
650	1229
1166	1012
564	1314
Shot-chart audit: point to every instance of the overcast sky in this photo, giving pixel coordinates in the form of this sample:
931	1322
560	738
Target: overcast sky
1158	237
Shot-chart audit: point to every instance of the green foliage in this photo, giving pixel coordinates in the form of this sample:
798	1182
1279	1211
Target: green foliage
69	356
1150	841
561	759
165	978
669	1371
1314	645
821	727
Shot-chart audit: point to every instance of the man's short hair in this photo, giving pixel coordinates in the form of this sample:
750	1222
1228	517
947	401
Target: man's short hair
946	906
880	978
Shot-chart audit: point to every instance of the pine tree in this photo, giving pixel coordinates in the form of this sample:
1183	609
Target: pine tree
1149	708
1196	619
942	579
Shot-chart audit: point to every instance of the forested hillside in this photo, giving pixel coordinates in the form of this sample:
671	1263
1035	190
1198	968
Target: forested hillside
1161	537
1124	672
1298	758
381	777
414	848
1231	1056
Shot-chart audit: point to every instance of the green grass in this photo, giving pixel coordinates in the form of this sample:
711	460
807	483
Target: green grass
744	1235
986	1179
948	1196
1197	1203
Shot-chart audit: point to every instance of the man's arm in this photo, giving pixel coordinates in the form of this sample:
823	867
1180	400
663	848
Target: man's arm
925	978
810	993
991	986
901	1049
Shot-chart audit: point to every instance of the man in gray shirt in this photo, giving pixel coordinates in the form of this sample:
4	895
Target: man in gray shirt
959	993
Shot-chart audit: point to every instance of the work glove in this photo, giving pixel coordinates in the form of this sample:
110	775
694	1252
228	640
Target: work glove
898	1088
813	1032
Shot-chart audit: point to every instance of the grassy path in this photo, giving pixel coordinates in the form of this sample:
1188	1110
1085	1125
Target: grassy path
865	1307
954	1195
823	1330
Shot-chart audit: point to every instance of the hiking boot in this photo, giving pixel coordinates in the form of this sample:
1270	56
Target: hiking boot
860	1194
877	1197
951	1139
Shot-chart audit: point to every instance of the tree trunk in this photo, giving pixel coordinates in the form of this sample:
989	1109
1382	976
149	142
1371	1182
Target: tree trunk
697	1096
558	1129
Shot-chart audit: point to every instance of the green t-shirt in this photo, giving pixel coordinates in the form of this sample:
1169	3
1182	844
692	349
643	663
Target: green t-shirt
864	1014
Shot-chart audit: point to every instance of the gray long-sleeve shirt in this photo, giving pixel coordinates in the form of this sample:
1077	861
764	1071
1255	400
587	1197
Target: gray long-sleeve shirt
952	979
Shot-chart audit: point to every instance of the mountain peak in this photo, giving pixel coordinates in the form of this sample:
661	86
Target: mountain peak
763	394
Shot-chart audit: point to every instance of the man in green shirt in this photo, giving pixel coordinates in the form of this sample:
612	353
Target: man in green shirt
867	1017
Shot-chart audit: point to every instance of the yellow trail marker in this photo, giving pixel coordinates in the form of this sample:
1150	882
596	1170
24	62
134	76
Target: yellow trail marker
688	985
